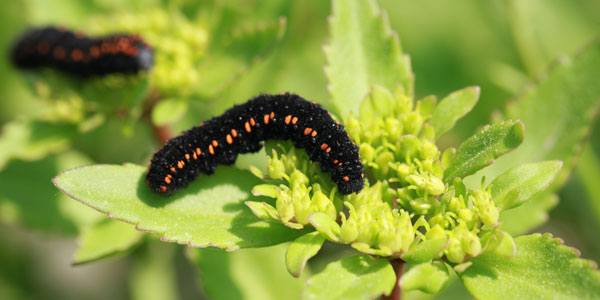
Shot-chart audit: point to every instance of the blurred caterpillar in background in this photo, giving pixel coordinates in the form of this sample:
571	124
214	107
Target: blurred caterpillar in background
241	129
80	55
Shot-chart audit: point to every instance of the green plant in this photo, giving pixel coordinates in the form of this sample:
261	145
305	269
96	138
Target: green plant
426	216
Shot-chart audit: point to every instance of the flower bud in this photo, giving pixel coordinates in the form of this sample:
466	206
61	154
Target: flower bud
349	229
321	203
367	153
486	210
284	205
455	252
298	178
436	232
275	167
383	160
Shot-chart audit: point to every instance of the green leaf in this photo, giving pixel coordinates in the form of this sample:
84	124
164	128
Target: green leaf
558	113
105	239
425	251
153	273
483	147
542	269
228	61
363	51
325	225
499	242
452	108
526	181
33	140
263	210
429	277
168	111
246	274
356	277
376	103
588	173
529	215
209	212
301	250
28	198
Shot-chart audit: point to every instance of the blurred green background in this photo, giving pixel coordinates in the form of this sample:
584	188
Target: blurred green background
499	45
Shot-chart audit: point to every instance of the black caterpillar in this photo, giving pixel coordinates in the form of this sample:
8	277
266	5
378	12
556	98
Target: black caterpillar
80	55
242	128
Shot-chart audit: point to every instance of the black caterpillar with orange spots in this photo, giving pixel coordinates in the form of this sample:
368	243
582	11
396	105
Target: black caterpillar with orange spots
80	55
242	128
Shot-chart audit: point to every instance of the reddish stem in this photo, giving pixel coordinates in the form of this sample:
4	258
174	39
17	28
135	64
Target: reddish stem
398	265
161	133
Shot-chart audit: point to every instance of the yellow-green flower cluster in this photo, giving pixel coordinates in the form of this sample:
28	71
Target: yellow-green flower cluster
396	145
178	45
464	215
406	210
373	226
298	198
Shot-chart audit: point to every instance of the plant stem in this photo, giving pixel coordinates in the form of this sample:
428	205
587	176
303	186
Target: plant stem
398	265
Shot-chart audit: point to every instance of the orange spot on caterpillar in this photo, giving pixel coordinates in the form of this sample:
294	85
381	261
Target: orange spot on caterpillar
43	47
215	143
59	52
335	162
234	132
180	164
195	156
211	150
95	51
288	119
294	120
346	178
169	175
340	164
328	150
163	188
314	133
168	180
307	130
362	175
147	181
201	124
172	169
229	139
76	55
247	126
198	151
252	122
266	119
272	115
323	146
187	156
